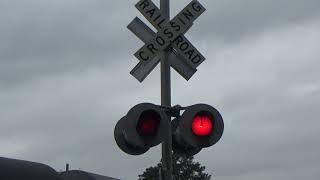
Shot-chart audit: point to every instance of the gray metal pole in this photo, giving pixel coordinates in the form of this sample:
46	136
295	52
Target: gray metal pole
166	101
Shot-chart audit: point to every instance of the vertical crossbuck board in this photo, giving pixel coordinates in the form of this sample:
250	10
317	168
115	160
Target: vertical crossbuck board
183	56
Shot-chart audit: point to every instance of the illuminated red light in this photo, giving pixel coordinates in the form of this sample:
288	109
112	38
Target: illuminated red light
202	125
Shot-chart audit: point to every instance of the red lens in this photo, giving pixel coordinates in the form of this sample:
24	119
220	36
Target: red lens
147	126
202	125
148	123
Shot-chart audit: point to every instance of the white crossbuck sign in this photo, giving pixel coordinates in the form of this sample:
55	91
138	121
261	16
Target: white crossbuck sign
183	56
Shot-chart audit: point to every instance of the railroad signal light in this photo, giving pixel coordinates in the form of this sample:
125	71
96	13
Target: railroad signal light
143	127
200	126
148	123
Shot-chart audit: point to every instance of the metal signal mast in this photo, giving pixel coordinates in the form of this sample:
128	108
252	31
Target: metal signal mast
147	125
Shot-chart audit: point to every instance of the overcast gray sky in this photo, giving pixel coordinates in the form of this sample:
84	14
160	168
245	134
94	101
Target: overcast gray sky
65	82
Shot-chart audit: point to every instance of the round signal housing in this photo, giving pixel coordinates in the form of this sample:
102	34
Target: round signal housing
200	125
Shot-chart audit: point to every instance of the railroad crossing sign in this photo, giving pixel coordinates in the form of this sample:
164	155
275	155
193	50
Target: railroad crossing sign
183	56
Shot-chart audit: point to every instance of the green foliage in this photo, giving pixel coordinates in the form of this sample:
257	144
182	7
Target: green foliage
183	169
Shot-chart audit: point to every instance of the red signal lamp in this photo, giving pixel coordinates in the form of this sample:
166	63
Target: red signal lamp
148	123
141	128
202	125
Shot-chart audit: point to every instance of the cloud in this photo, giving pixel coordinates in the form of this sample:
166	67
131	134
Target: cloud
40	38
270	123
